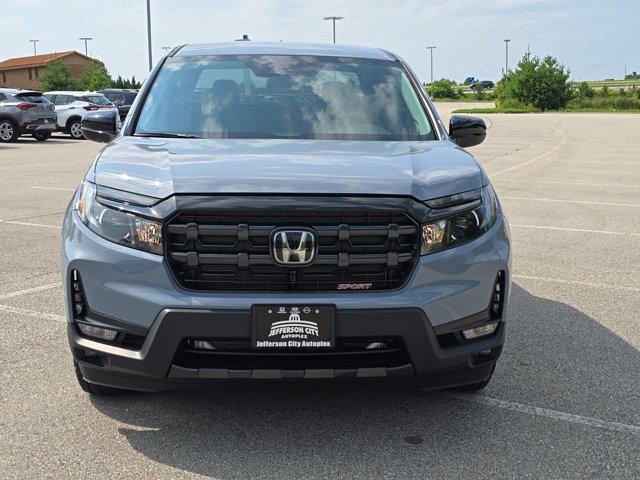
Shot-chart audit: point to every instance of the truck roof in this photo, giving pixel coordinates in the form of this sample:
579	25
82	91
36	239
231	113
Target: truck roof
284	48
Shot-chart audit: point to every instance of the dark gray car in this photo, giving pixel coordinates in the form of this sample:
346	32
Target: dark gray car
25	112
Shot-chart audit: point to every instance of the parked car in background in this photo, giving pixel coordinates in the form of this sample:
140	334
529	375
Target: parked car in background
25	112
485	84
470	81
72	106
121	98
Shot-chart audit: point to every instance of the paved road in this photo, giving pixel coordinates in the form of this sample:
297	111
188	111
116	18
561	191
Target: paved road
564	403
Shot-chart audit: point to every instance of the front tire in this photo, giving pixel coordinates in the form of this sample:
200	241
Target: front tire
42	136
92	388
75	130
8	131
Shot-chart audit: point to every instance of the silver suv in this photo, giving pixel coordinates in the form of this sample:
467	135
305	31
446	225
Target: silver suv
25	111
72	106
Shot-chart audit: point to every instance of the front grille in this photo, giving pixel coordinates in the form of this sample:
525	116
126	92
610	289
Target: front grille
230	251
236	354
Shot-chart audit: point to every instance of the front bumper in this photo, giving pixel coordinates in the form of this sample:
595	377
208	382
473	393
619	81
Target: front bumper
134	292
154	366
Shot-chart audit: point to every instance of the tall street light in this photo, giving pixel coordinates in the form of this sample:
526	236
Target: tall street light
506	55
34	45
149	34
431	50
85	44
333	19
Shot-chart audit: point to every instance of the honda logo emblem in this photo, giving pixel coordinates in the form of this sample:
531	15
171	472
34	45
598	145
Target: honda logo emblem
293	247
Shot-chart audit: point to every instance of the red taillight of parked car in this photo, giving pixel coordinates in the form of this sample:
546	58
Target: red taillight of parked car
26	105
91	107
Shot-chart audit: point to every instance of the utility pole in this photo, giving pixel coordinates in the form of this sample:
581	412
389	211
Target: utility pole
34	45
506	56
333	19
431	50
86	52
149	34
166	49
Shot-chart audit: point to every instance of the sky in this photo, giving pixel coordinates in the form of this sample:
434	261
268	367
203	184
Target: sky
595	39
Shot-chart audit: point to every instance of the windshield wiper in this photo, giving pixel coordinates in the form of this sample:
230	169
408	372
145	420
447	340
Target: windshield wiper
165	135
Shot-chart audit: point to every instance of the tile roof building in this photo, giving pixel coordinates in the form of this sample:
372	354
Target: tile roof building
24	72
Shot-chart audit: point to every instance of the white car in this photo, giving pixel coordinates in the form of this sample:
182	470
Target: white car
72	106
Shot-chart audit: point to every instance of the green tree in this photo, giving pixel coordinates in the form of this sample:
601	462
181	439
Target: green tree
544	84
585	91
443	88
95	77
56	76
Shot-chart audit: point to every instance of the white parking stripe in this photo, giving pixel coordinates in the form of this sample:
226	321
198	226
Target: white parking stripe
29	224
29	290
534	159
582	230
556	182
576	282
32	313
56	188
544	412
581	202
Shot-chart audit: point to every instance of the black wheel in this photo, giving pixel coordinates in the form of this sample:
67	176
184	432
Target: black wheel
75	130
474	387
8	131
42	136
92	388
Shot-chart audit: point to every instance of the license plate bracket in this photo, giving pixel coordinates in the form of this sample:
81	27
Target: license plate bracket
293	327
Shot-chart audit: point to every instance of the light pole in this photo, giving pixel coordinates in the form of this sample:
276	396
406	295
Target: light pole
333	19
506	55
166	49
431	50
149	34
85	44
34	45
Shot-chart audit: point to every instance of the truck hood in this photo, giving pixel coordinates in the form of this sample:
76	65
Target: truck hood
159	167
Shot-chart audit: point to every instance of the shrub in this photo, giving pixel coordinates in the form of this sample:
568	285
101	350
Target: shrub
585	91
543	84
444	88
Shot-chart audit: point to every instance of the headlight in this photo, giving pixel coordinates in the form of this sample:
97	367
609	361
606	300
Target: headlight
462	227
119	227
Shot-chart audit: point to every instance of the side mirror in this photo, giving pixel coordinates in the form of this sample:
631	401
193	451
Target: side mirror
467	131
100	126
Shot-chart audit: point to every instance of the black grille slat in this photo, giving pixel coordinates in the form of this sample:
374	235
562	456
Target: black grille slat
230	251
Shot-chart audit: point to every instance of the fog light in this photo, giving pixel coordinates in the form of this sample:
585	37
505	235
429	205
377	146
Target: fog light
481	331
97	332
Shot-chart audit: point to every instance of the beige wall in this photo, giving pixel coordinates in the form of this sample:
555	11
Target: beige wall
19	78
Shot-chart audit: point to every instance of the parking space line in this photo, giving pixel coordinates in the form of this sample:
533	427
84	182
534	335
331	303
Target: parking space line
545	412
576	282
32	313
29	290
561	182
581	202
56	188
29	224
536	158
581	230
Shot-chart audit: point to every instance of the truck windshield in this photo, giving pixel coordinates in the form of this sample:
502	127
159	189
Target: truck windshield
279	96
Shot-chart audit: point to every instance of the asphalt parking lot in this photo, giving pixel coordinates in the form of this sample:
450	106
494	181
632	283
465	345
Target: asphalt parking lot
564	402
